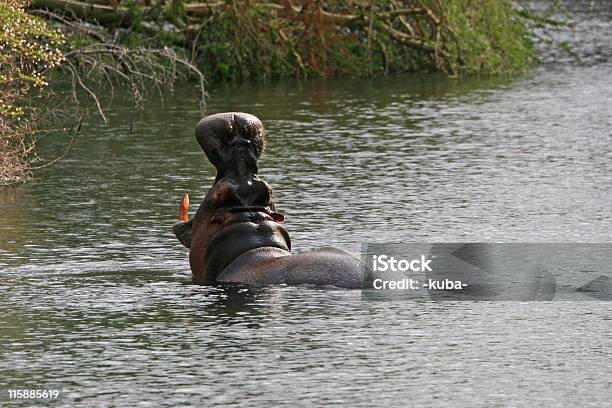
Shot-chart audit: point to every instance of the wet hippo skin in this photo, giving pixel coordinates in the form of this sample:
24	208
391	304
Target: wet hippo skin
236	235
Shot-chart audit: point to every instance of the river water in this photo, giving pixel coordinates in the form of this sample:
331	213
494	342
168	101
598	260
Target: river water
94	293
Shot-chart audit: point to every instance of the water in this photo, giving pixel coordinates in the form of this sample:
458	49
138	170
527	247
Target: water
93	286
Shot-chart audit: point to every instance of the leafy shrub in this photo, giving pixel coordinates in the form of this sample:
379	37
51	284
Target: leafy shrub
28	48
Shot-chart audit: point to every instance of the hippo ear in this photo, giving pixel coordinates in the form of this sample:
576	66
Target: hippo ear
182	230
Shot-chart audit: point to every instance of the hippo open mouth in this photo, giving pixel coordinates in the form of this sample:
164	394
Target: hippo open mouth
239	203
236	234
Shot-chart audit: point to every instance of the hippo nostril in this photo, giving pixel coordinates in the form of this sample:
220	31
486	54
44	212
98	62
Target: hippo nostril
240	142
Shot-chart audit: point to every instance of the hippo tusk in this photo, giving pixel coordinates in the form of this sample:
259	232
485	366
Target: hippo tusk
184	209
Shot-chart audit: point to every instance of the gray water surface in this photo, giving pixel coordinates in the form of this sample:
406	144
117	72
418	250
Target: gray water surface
94	291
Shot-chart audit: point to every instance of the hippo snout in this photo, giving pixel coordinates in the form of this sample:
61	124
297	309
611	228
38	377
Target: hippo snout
222	136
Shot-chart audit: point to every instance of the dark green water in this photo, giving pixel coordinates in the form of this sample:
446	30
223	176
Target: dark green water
92	282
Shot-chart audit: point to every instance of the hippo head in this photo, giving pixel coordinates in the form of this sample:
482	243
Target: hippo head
233	142
237	214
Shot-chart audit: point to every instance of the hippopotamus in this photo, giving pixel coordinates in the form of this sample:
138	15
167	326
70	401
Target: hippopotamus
236	234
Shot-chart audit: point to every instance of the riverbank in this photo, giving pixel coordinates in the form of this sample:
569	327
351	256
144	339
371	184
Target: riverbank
143	45
235	39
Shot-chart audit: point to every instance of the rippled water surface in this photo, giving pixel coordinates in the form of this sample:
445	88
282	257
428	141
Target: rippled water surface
93	286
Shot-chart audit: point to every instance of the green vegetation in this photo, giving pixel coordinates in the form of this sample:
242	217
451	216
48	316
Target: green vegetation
31	50
136	43
28	48
239	39
361	38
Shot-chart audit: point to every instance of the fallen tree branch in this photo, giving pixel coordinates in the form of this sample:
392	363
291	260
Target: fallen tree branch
409	40
104	14
108	14
135	67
